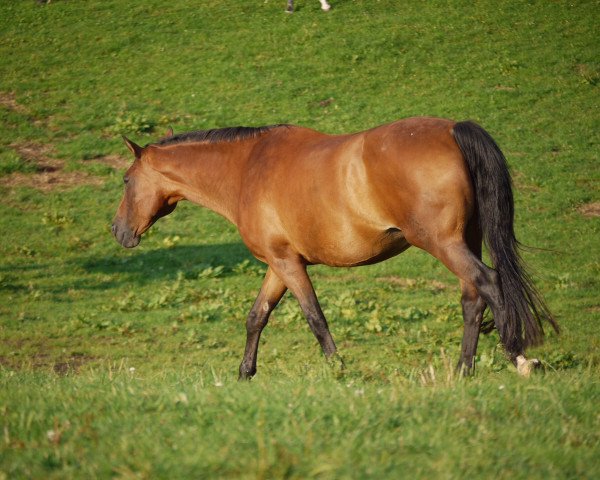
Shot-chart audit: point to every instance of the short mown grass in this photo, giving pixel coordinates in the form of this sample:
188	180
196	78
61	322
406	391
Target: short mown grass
117	363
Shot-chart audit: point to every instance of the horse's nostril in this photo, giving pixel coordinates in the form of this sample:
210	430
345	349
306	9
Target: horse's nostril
113	228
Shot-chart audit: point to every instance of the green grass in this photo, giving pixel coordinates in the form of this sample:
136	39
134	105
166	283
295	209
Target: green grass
187	424
117	363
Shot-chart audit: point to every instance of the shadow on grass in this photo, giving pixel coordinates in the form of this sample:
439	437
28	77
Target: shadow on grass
144	267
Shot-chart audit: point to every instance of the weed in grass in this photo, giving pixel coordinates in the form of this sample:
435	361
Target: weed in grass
246	267
131	122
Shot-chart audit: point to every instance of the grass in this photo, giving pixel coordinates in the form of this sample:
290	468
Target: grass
123	423
118	363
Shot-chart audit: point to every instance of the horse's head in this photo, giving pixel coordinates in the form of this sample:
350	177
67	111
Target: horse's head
149	195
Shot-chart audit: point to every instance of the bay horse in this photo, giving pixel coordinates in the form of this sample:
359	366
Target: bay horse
300	197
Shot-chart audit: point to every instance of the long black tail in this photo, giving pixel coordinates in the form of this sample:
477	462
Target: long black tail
524	307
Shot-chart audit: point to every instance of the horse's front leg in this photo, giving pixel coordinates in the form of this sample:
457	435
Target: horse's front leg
293	273
290	6
270	293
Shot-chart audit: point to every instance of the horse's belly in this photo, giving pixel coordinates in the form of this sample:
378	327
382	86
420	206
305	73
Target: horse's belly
354	250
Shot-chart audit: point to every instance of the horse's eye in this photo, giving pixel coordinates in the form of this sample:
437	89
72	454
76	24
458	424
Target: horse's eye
125	180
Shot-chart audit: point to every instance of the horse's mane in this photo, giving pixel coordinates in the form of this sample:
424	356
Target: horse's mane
216	135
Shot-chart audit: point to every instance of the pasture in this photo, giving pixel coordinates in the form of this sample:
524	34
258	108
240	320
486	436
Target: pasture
122	363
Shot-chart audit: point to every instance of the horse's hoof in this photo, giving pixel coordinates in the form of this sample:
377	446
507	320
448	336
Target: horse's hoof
246	374
525	367
464	371
326	8
336	363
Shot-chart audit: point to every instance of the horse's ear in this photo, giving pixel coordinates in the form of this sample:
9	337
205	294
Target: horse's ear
133	147
169	133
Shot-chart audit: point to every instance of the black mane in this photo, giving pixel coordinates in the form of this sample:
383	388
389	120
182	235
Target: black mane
228	134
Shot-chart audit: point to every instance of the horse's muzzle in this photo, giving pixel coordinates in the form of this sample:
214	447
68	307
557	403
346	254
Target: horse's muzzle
125	236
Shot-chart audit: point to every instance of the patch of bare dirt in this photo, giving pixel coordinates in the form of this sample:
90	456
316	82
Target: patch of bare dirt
37	154
49	172
61	366
522	184
116	162
47	181
8	100
71	365
590	209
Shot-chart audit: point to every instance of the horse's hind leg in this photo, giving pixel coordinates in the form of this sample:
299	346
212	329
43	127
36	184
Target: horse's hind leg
270	293
466	266
473	307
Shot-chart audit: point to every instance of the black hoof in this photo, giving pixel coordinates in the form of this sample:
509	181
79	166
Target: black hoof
336	363
246	374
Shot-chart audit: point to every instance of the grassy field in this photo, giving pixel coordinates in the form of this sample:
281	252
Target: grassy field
123	364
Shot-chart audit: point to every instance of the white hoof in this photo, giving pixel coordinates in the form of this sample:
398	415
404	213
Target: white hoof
325	6
525	367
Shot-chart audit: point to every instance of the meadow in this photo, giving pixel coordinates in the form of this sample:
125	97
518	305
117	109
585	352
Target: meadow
122	363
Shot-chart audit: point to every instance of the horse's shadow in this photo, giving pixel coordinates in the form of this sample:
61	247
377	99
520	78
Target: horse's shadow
144	267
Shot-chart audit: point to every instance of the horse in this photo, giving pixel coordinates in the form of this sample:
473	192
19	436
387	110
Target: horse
299	197
324	6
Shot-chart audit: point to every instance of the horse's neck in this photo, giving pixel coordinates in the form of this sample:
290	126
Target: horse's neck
210	174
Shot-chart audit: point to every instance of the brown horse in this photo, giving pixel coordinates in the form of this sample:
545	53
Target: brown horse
300	197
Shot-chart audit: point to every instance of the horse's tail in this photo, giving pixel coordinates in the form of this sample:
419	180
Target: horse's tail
524	307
